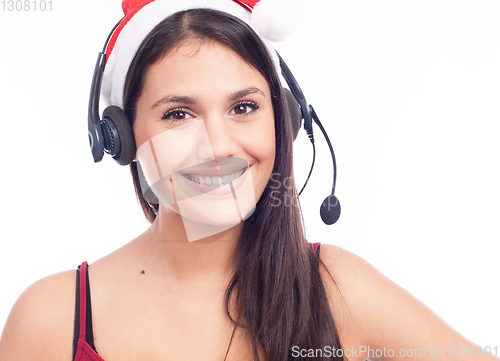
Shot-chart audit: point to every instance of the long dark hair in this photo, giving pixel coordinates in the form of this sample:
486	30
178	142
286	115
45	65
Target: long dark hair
276	294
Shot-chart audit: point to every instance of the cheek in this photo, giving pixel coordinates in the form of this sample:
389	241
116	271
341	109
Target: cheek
261	145
145	131
141	133
267	148
267	141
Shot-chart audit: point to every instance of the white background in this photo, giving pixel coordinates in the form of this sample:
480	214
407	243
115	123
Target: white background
409	92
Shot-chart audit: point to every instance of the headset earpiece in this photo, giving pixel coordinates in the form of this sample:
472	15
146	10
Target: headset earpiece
294	110
299	109
119	139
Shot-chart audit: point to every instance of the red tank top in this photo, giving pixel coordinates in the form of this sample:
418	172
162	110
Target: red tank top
83	340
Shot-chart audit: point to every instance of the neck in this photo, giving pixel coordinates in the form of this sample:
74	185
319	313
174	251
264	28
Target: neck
166	248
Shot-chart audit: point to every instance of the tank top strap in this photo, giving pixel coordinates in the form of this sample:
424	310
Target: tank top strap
82	301
84	333
315	247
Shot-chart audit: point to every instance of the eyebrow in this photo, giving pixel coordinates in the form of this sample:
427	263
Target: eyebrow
174	99
243	93
189	100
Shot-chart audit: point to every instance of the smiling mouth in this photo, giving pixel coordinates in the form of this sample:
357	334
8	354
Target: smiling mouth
211	181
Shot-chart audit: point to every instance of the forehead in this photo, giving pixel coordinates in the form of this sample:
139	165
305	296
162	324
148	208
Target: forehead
202	67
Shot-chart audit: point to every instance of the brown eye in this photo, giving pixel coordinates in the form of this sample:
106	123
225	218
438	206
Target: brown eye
179	115
245	108
241	109
176	115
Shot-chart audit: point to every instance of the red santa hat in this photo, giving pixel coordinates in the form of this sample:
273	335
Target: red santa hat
265	16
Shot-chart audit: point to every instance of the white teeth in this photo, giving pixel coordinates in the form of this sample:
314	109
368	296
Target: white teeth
216	180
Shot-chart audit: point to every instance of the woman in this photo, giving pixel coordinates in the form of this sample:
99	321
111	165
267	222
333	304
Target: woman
220	274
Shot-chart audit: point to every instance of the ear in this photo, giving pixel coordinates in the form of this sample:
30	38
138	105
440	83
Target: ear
116	116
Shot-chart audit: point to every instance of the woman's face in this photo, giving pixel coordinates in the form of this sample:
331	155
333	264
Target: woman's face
205	135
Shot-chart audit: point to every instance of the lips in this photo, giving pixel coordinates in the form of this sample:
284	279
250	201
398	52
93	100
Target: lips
216	168
215	180
215	177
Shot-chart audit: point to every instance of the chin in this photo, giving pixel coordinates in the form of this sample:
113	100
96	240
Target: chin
205	216
210	213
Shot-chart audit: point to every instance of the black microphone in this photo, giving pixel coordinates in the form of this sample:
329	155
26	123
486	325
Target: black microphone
330	208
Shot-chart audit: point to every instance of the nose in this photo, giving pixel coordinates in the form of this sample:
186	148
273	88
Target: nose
221	138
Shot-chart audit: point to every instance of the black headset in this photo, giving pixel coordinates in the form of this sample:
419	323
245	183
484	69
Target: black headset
113	133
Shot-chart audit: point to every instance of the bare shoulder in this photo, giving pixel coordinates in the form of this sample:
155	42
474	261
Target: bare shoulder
40	325
350	276
348	267
354	288
373	312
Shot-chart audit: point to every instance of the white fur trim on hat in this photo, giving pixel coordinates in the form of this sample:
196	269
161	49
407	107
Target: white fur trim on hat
140	25
276	20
